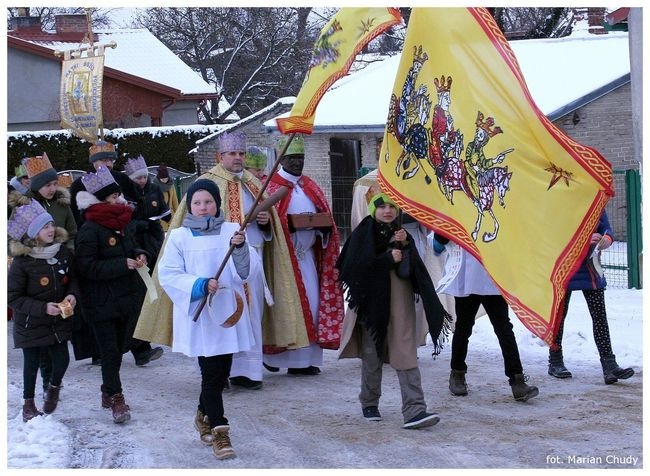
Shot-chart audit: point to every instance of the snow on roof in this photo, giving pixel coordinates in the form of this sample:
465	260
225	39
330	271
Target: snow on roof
286	101
141	54
558	71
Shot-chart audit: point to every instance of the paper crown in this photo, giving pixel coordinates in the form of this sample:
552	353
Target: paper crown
95	181
20	171
255	158
102	150
235	141
65	180
29	218
37	165
372	191
136	167
297	145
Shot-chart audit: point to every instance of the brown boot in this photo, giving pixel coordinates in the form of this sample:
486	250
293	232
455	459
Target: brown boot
120	409
51	398
203	427
221	442
29	410
106	399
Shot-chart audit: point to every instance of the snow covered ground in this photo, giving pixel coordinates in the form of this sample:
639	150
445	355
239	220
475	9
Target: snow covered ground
315	422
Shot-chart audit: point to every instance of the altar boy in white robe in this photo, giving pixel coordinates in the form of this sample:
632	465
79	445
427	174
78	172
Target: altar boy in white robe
189	262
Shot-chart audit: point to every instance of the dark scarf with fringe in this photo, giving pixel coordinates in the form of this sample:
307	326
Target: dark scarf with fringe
114	216
364	273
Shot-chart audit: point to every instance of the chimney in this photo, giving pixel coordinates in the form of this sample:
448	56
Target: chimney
25	23
596	18
75	23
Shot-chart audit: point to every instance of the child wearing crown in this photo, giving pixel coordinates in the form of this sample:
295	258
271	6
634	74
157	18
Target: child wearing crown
43	187
42	292
111	289
381	271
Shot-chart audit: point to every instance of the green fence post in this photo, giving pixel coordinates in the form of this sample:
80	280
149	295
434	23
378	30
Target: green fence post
634	240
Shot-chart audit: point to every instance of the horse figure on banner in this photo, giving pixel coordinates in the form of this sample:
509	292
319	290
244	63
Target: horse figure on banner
483	178
494	179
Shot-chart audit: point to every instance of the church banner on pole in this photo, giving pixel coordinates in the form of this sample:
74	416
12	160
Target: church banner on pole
81	96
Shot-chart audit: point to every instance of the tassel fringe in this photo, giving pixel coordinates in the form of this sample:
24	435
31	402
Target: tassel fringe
445	332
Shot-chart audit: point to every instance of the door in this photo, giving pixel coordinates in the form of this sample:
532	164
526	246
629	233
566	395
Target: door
345	161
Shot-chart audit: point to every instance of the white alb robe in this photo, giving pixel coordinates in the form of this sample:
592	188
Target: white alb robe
185	259
303	242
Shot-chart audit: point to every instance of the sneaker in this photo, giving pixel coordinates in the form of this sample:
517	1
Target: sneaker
311	370
372	413
148	356
203	427
423	419
221	445
271	369
245	382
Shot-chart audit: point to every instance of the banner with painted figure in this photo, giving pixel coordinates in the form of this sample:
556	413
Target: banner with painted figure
468	153
340	40
81	96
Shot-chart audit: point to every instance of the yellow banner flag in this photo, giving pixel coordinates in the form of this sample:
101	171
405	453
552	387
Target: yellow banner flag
468	153
81	96
340	40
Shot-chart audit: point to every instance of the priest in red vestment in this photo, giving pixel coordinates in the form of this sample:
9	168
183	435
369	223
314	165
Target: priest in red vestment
314	245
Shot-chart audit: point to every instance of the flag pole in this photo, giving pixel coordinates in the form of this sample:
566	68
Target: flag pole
269	202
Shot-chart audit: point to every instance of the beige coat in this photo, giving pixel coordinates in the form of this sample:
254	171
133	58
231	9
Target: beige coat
172	203
401	339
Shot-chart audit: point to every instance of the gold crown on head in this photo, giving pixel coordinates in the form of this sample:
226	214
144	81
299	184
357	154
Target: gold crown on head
37	165
102	150
418	55
372	191
444	84
487	125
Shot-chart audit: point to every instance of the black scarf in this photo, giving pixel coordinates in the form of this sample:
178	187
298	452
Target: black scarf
364	268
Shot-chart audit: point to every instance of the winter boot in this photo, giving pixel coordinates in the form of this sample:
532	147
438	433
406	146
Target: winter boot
120	409
51	398
522	391
106	399
221	442
29	410
457	384
203	427
556	366
612	372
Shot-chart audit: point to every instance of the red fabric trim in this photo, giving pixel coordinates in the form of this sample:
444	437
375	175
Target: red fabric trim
330	308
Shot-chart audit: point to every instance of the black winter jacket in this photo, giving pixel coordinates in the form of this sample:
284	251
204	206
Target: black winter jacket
32	283
109	289
149	202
